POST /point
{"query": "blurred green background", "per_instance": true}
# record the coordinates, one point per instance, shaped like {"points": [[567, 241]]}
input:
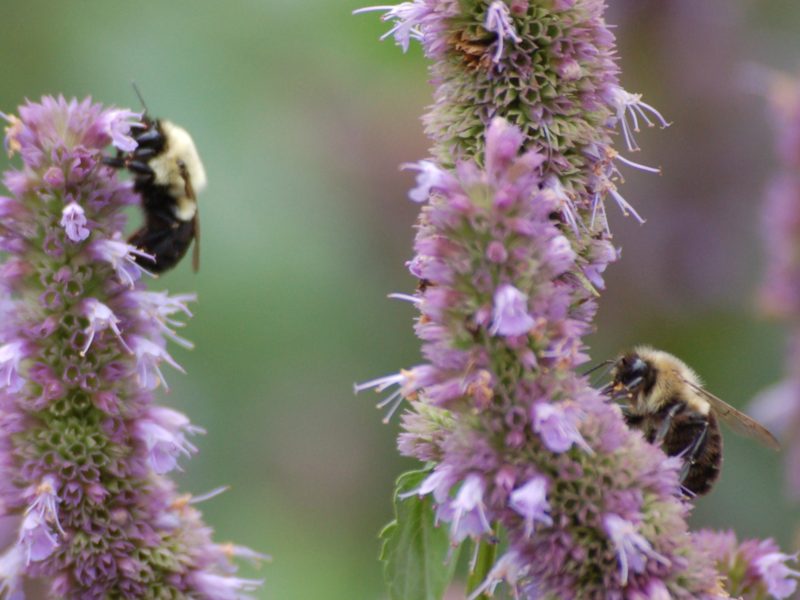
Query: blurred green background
{"points": [[302, 117]]}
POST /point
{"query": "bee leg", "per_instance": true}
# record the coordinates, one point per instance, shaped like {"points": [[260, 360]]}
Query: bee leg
{"points": [[150, 138], [144, 154], [139, 167], [115, 162], [666, 424], [690, 454]]}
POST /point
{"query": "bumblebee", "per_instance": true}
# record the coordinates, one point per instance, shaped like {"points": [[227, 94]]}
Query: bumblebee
{"points": [[168, 175], [665, 399]]}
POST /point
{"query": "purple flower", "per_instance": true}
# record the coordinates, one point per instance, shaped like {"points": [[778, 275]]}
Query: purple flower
{"points": [[530, 501], [656, 590], [12, 563], [100, 318], [117, 125], [629, 108], [163, 434], [231, 551], [780, 579], [407, 382], [429, 177], [509, 568], [632, 549], [120, 255], [46, 502], [438, 483], [212, 586], [409, 17], [158, 308], [37, 538], [73, 220], [557, 424], [754, 568], [11, 355], [498, 20], [510, 313], [466, 513], [148, 356]]}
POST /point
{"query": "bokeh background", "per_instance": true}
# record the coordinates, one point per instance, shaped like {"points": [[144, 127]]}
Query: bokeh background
{"points": [[302, 117]]}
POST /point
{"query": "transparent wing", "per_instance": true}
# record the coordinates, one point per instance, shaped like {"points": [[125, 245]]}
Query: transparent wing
{"points": [[737, 420]]}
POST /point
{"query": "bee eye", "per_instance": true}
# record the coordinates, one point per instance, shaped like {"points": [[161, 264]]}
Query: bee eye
{"points": [[635, 371]]}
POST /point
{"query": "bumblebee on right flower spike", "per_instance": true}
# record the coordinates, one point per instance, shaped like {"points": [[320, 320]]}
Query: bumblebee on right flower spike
{"points": [[667, 402]]}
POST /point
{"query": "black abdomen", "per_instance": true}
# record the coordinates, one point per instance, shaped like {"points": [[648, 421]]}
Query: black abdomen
{"points": [[164, 237], [692, 436]]}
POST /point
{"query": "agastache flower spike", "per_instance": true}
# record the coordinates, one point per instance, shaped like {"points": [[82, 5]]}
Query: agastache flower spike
{"points": [[511, 244], [499, 409], [83, 448]]}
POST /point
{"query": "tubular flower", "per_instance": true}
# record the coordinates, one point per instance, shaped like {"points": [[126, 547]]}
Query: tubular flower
{"points": [[511, 245], [82, 446]]}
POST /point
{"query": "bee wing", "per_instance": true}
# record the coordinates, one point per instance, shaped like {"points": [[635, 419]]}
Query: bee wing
{"points": [[737, 420]]}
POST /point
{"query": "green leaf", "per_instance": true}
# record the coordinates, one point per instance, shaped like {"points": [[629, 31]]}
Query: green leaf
{"points": [[417, 557]]}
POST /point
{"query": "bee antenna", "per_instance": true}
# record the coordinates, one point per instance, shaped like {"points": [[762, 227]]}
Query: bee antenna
{"points": [[141, 99], [597, 366]]}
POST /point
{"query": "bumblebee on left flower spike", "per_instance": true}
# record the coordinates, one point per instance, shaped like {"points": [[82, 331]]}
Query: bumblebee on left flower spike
{"points": [[168, 175]]}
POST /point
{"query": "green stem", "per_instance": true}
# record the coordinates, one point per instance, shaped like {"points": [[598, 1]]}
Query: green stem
{"points": [[487, 552]]}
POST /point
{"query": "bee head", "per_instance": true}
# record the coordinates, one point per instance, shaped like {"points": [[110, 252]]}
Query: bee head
{"points": [[630, 374]]}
